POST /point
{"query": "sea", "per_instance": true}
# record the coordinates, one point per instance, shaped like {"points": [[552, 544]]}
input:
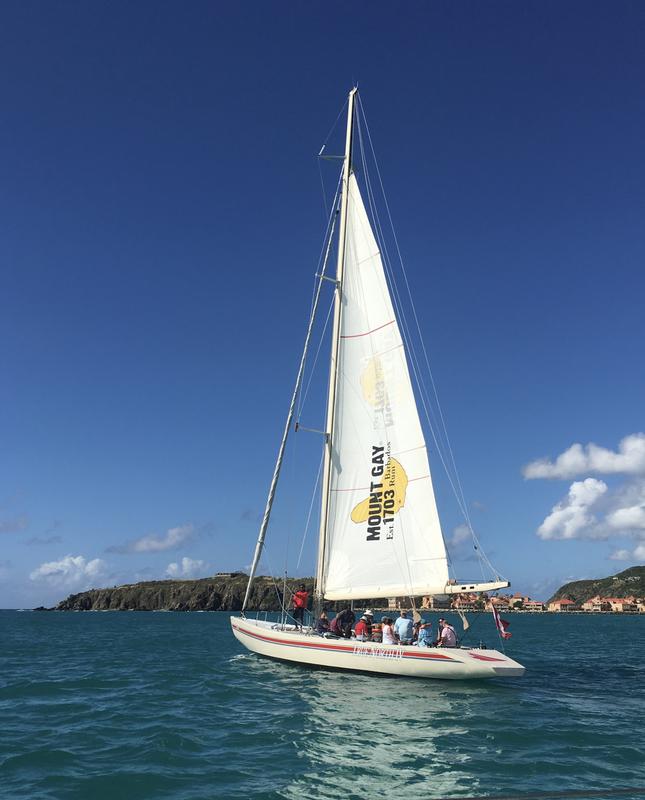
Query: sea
{"points": [[168, 705]]}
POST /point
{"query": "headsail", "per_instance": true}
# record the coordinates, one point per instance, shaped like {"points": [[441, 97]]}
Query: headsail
{"points": [[383, 533]]}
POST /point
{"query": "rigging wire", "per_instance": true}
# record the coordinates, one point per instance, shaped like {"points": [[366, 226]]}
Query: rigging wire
{"points": [[313, 366], [322, 259], [322, 187], [311, 505], [443, 429], [456, 484], [405, 331], [333, 127]]}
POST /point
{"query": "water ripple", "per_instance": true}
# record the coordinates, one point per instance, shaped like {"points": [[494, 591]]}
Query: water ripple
{"points": [[168, 706]]}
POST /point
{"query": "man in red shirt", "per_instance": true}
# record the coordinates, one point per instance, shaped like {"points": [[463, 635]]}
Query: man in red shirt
{"points": [[361, 630], [300, 600]]}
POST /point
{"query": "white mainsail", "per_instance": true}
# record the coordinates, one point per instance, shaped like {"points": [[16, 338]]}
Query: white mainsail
{"points": [[383, 535]]}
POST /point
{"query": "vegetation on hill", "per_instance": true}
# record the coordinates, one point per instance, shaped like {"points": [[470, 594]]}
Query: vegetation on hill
{"points": [[222, 592], [630, 582]]}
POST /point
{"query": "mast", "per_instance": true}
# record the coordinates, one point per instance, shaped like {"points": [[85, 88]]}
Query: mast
{"points": [[335, 342]]}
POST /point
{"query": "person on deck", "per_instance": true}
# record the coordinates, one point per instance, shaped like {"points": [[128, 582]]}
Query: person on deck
{"points": [[447, 636], [342, 623], [425, 634], [300, 601], [362, 630], [322, 626], [388, 631], [440, 625], [403, 628]]}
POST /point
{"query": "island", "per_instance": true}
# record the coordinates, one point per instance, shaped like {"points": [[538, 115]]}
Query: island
{"points": [[224, 591]]}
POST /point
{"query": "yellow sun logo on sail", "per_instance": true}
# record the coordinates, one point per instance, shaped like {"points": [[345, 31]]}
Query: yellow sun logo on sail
{"points": [[375, 392], [372, 382], [387, 495]]}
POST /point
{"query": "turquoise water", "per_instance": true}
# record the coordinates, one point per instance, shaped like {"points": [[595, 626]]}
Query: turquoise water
{"points": [[152, 705]]}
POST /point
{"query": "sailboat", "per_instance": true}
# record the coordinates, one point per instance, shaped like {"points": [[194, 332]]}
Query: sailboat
{"points": [[380, 534]]}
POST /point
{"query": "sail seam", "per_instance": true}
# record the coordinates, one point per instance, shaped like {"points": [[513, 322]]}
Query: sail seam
{"points": [[410, 450], [367, 333], [367, 488], [360, 261]]}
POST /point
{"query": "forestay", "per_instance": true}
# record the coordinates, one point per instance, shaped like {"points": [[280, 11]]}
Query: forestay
{"points": [[383, 532]]}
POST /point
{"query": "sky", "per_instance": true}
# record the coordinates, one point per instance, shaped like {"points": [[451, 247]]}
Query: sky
{"points": [[161, 218]]}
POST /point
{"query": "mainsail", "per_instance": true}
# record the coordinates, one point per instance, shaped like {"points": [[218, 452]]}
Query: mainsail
{"points": [[383, 536]]}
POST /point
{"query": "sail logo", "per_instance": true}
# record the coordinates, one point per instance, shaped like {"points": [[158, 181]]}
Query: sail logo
{"points": [[388, 486], [375, 392]]}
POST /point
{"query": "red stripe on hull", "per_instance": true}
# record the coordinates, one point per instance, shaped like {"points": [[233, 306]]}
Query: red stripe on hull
{"points": [[484, 658], [340, 648]]}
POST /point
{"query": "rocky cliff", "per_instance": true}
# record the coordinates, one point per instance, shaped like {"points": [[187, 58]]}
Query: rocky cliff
{"points": [[629, 583]]}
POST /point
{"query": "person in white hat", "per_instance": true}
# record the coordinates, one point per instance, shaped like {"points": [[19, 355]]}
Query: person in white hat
{"points": [[363, 629]]}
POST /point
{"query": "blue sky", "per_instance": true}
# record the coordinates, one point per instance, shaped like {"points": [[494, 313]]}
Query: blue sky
{"points": [[161, 216]]}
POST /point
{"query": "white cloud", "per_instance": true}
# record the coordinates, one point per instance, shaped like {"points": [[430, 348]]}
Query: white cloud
{"points": [[620, 555], [460, 535], [172, 539], [571, 517], [591, 510], [70, 571], [578, 459], [188, 568], [639, 552], [627, 519]]}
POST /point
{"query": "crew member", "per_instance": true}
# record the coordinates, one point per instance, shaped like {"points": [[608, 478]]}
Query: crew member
{"points": [[300, 600], [447, 636]]}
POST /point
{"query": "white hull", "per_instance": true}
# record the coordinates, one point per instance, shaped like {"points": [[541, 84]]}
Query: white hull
{"points": [[274, 641]]}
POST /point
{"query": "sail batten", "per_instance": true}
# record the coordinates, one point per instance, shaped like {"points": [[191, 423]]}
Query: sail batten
{"points": [[383, 532]]}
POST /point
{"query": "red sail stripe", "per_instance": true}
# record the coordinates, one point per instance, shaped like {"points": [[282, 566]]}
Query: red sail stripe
{"points": [[367, 333]]}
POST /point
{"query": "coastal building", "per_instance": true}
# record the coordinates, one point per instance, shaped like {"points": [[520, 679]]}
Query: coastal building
{"points": [[616, 605], [467, 602], [501, 603], [435, 603], [622, 605], [533, 605], [596, 604], [562, 605]]}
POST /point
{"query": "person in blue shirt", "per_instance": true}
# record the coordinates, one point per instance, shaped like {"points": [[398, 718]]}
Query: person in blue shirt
{"points": [[403, 628], [425, 634]]}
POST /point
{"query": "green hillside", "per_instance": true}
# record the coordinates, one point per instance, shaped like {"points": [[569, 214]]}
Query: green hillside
{"points": [[222, 592], [627, 583]]}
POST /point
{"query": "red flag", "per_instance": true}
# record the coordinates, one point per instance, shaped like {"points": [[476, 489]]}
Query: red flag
{"points": [[501, 624]]}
